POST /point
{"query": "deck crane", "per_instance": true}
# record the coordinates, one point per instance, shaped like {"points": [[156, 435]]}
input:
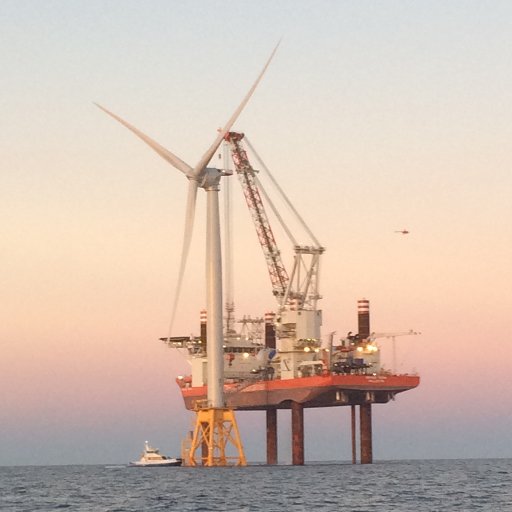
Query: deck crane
{"points": [[277, 272], [392, 336], [298, 321]]}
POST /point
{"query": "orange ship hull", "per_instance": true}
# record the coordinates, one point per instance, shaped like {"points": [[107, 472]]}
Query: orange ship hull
{"points": [[331, 390]]}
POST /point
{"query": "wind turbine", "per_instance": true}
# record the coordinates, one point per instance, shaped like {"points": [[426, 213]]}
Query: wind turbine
{"points": [[207, 178]]}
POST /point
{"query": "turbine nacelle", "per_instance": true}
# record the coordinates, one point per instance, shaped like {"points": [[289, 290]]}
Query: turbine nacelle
{"points": [[209, 179]]}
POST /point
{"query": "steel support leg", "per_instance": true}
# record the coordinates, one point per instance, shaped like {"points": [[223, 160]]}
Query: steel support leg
{"points": [[271, 436], [297, 434], [365, 425]]}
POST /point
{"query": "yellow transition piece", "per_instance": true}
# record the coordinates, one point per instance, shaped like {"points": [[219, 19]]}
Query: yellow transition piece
{"points": [[215, 434]]}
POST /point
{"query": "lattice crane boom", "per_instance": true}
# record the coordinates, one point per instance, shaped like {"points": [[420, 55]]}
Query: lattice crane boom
{"points": [[246, 174]]}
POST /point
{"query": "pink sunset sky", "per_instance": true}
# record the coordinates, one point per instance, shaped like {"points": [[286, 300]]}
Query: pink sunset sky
{"points": [[374, 117]]}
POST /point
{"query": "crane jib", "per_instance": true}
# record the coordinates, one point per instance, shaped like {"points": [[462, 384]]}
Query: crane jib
{"points": [[276, 269]]}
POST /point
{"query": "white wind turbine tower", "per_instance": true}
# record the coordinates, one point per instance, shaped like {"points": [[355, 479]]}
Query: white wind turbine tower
{"points": [[215, 425]]}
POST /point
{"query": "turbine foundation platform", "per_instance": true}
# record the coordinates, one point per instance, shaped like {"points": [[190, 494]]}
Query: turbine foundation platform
{"points": [[216, 435]]}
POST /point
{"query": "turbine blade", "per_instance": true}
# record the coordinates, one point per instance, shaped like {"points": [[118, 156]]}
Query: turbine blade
{"points": [[164, 153], [213, 148], [187, 237]]}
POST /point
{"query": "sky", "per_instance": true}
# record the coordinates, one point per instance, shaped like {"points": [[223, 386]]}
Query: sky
{"points": [[373, 116]]}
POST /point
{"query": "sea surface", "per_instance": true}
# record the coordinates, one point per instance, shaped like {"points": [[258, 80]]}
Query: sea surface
{"points": [[428, 485]]}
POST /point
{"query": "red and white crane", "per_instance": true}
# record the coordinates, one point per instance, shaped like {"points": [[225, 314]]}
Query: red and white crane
{"points": [[300, 287], [276, 269], [298, 321]]}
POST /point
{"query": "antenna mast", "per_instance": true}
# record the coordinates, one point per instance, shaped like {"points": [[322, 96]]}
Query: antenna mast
{"points": [[229, 303]]}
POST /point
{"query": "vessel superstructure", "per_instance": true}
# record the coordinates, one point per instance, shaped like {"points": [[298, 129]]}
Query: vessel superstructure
{"points": [[258, 376]]}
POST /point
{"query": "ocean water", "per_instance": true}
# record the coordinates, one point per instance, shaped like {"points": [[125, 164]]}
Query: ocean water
{"points": [[431, 485]]}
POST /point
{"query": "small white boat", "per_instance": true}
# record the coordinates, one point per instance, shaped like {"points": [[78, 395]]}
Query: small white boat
{"points": [[152, 458]]}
